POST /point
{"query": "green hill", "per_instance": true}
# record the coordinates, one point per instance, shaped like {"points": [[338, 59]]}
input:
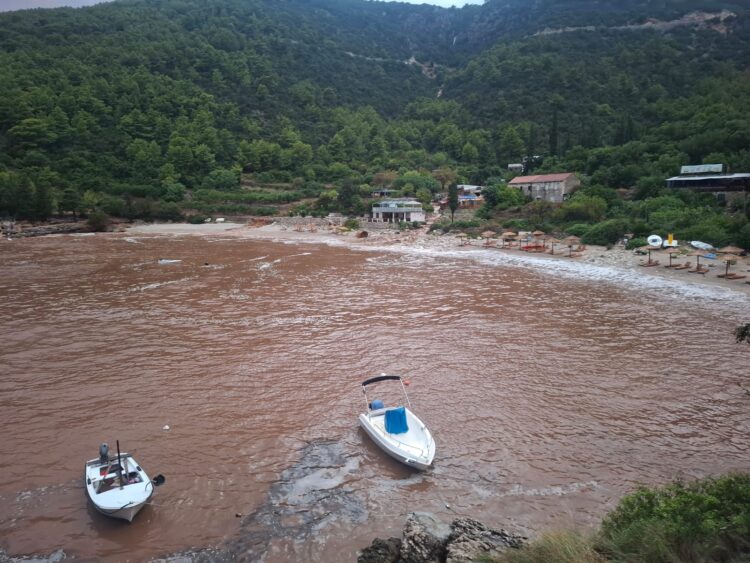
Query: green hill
{"points": [[135, 106]]}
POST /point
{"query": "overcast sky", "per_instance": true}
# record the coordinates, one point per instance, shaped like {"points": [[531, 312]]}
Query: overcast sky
{"points": [[443, 3], [7, 5]]}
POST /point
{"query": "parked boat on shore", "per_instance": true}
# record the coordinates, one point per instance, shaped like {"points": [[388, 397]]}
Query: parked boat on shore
{"points": [[397, 431]]}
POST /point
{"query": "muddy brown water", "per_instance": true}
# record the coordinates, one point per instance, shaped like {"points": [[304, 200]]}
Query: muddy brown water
{"points": [[551, 390]]}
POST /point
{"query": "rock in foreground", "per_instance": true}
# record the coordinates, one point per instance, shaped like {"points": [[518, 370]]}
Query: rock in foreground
{"points": [[426, 539]]}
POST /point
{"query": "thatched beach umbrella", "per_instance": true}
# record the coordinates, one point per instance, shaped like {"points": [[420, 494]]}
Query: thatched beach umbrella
{"points": [[508, 236], [552, 242], [730, 250], [488, 234], [729, 258], [672, 251], [537, 234], [570, 242], [649, 248], [697, 254]]}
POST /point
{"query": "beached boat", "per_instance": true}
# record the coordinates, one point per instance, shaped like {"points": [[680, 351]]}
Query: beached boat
{"points": [[397, 430], [116, 485]]}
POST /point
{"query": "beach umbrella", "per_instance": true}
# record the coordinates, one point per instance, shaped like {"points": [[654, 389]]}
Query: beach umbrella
{"points": [[538, 234], [571, 241], [508, 236], [487, 235], [697, 253], [552, 242], [649, 248], [672, 252], [730, 250], [728, 258]]}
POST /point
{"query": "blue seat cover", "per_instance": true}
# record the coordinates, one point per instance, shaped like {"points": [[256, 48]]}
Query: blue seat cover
{"points": [[395, 421]]}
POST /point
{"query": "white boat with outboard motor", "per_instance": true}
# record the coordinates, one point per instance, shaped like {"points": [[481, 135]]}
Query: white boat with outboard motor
{"points": [[397, 430], [117, 486]]}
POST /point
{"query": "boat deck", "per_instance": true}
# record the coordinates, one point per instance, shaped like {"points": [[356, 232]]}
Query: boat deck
{"points": [[411, 441]]}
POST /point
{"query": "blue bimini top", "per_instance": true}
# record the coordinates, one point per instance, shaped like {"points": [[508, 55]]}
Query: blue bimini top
{"points": [[395, 421]]}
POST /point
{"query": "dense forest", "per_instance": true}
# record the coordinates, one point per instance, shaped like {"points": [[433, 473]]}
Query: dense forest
{"points": [[183, 108]]}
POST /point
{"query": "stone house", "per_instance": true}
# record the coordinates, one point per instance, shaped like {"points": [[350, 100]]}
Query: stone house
{"points": [[547, 187]]}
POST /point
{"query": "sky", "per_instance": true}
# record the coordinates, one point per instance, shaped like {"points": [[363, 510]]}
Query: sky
{"points": [[443, 3], [8, 5]]}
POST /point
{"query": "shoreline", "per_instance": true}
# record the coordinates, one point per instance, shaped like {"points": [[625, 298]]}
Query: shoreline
{"points": [[623, 263]]}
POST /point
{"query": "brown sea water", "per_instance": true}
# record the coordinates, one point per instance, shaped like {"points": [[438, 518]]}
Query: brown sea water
{"points": [[551, 389]]}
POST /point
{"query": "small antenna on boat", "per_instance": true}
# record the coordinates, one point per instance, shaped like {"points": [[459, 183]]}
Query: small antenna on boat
{"points": [[119, 464]]}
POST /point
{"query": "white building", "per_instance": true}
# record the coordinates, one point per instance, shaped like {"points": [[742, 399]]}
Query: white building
{"points": [[396, 210]]}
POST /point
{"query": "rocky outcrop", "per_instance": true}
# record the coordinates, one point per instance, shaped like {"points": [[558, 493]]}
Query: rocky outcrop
{"points": [[469, 538], [426, 539], [381, 551]]}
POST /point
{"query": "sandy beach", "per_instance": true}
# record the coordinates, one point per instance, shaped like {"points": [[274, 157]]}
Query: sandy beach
{"points": [[616, 259]]}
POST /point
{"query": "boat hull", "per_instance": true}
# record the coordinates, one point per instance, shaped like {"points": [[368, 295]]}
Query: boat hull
{"points": [[127, 513], [389, 444]]}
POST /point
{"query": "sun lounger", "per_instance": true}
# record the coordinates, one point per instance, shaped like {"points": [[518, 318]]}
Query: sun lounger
{"points": [[649, 264], [735, 277], [683, 267], [699, 271]]}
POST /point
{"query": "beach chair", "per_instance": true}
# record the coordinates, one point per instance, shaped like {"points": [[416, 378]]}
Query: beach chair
{"points": [[736, 277], [682, 267]]}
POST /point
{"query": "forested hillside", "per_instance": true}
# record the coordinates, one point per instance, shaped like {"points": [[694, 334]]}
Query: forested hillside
{"points": [[146, 108]]}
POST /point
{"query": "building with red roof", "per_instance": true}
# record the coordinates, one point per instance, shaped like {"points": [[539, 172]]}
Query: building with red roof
{"points": [[547, 187]]}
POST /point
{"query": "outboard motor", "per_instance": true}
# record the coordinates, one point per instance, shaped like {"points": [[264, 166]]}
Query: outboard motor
{"points": [[376, 404], [104, 453]]}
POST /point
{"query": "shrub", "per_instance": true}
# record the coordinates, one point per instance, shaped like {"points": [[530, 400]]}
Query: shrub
{"points": [[605, 232], [578, 230], [197, 219], [466, 224], [97, 221], [710, 230], [742, 238], [351, 224], [518, 224], [266, 211], [112, 205], [221, 179], [636, 243], [167, 211], [583, 208], [707, 520], [274, 176]]}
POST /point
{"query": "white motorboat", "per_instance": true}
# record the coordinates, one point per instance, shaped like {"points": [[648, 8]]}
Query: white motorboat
{"points": [[116, 485], [397, 430]]}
